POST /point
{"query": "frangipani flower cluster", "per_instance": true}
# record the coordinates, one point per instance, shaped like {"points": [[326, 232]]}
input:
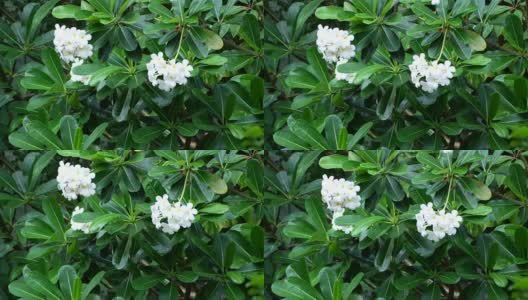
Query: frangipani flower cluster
{"points": [[176, 215], [167, 74], [335, 46], [435, 225], [84, 227], [339, 194], [75, 181], [430, 75], [72, 43], [73, 46]]}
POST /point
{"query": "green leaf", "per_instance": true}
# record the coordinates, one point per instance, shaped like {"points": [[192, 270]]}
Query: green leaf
{"points": [[126, 38], [365, 223], [156, 7], [481, 210], [390, 39], [328, 12], [250, 31], [54, 215], [215, 183], [68, 12], [40, 164], [384, 255], [334, 161], [299, 228], [37, 80], [289, 140], [513, 32], [68, 130], [315, 211], [307, 133], [214, 208], [428, 160], [24, 141], [147, 134], [306, 12], [223, 102], [51, 59], [23, 290], [87, 289], [41, 14], [333, 126], [410, 281], [295, 288], [476, 42], [37, 229], [409, 134], [96, 133], [42, 285], [146, 282], [306, 161], [327, 281], [67, 277], [360, 133], [214, 60], [40, 132], [255, 176], [479, 189], [7, 181], [318, 65], [516, 181]]}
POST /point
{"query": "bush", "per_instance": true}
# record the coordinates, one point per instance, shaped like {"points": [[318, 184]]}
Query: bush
{"points": [[483, 106], [383, 256], [112, 249], [107, 100]]}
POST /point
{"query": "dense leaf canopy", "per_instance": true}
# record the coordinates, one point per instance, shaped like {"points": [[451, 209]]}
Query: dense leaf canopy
{"points": [[123, 254], [384, 256], [484, 107], [219, 108]]}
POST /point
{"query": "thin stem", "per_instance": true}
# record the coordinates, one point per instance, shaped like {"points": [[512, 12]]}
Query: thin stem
{"points": [[180, 43], [443, 45], [448, 192], [184, 185]]}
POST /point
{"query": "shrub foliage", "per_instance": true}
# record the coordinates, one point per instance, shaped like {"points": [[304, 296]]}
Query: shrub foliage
{"points": [[124, 256], [384, 256], [219, 108], [484, 105]]}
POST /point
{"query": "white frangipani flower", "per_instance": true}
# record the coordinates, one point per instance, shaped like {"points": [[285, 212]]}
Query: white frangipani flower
{"points": [[348, 77], [339, 194], [80, 78], [84, 227], [335, 44], [435, 225], [167, 74], [176, 215], [72, 43], [430, 75], [435, 2], [75, 181]]}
